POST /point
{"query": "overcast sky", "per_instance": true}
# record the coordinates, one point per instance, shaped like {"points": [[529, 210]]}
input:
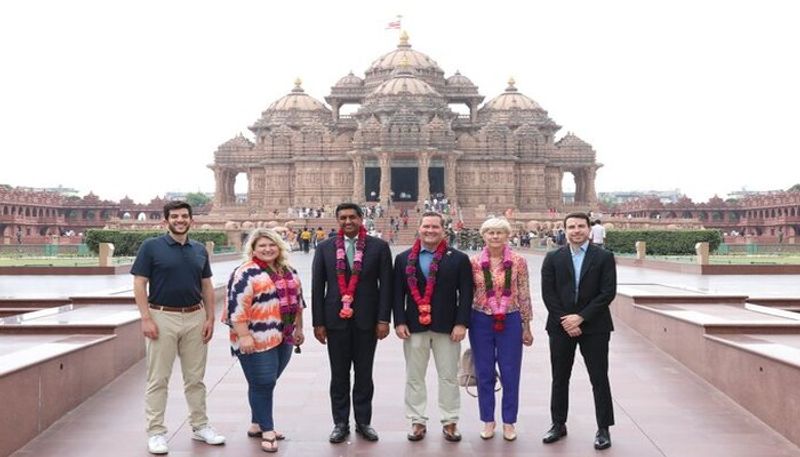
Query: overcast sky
{"points": [[134, 97]]}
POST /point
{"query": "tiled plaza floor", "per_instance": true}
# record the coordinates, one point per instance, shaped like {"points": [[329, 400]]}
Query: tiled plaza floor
{"points": [[662, 409]]}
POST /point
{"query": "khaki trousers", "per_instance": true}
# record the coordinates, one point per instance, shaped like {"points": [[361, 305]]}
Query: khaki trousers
{"points": [[417, 350], [179, 334]]}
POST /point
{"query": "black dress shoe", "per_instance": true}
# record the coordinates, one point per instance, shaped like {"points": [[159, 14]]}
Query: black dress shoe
{"points": [[339, 433], [367, 432], [602, 440], [556, 432]]}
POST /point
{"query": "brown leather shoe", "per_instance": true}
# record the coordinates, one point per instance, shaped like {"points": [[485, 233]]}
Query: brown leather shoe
{"points": [[417, 432], [451, 433]]}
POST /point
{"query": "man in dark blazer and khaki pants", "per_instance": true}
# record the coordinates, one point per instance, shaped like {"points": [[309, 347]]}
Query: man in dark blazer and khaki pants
{"points": [[450, 306], [579, 281], [352, 341]]}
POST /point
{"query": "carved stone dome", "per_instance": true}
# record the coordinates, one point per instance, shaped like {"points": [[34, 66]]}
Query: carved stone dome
{"points": [[416, 60], [511, 99], [459, 80], [297, 99], [350, 80]]}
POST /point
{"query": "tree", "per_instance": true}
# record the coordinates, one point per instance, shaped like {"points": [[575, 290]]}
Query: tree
{"points": [[197, 199], [795, 188]]}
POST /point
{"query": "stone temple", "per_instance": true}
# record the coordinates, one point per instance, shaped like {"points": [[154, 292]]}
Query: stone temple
{"points": [[403, 141]]}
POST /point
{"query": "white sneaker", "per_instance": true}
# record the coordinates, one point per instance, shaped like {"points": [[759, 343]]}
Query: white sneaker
{"points": [[157, 444], [208, 434]]}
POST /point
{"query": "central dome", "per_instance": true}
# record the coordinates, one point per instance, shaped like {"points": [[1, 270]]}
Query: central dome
{"points": [[415, 59]]}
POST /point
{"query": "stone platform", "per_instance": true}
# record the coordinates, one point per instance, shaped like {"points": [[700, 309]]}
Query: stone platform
{"points": [[662, 407]]}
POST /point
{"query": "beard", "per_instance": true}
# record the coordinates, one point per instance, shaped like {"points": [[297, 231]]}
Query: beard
{"points": [[176, 231]]}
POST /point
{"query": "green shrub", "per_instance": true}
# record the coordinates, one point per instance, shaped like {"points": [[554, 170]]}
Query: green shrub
{"points": [[127, 242], [662, 242]]}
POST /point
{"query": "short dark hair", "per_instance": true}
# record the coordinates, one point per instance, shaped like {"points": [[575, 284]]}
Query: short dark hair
{"points": [[176, 204], [352, 206], [431, 214], [597, 221], [578, 215]]}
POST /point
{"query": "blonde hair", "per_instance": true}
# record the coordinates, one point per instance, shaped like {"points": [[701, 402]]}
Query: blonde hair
{"points": [[495, 223], [249, 246]]}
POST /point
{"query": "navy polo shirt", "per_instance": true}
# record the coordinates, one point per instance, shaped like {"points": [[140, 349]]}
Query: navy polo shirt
{"points": [[174, 270]]}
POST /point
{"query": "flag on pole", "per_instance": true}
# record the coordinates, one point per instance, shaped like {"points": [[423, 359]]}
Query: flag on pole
{"points": [[395, 24]]}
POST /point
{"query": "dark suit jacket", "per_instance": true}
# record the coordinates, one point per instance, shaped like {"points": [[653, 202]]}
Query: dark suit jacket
{"points": [[373, 300], [596, 289], [452, 297]]}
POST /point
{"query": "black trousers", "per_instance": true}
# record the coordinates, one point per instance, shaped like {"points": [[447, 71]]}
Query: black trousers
{"points": [[351, 347], [594, 349]]}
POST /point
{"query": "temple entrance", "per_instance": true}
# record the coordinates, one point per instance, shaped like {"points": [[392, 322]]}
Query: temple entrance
{"points": [[405, 182], [436, 180], [372, 183]]}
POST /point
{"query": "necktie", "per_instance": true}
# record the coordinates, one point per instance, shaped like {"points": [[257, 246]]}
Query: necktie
{"points": [[351, 252]]}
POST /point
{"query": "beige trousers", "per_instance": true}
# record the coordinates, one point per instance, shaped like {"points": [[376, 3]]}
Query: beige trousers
{"points": [[179, 334], [417, 350]]}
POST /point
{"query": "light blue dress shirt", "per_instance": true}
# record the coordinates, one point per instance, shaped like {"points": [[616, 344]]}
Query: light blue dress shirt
{"points": [[577, 263], [425, 260]]}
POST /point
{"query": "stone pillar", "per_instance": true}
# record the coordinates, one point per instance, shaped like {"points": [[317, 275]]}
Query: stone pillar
{"points": [[235, 239], [702, 253], [230, 182], [473, 114], [385, 161], [579, 188], [219, 187], [589, 177], [210, 248], [424, 185], [335, 111], [450, 179], [358, 179], [106, 253], [641, 250]]}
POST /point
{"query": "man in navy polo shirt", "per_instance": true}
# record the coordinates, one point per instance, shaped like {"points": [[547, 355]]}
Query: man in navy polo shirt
{"points": [[177, 319]]}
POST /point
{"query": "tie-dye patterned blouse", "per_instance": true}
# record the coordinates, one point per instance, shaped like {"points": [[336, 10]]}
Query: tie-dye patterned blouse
{"points": [[520, 290], [252, 298]]}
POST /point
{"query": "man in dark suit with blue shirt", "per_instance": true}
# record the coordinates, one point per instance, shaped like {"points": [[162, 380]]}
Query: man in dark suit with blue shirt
{"points": [[351, 322], [433, 290], [579, 281]]}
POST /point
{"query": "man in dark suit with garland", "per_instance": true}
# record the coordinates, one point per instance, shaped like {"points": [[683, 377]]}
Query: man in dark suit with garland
{"points": [[351, 295], [433, 290]]}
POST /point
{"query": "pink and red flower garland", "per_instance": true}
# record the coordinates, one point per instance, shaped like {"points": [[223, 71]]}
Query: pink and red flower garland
{"points": [[423, 302], [288, 296], [348, 289], [498, 307]]}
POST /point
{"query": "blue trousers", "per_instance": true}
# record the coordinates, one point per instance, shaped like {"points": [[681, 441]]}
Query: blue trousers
{"points": [[500, 349], [262, 370]]}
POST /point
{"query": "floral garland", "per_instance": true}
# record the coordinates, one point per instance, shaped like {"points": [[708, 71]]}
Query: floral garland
{"points": [[348, 289], [498, 307], [423, 302], [288, 296]]}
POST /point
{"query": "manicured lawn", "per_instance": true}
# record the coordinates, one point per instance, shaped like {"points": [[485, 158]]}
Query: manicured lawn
{"points": [[56, 261]]}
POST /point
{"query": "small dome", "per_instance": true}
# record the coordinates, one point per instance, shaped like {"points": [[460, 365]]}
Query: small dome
{"points": [[297, 99], [415, 59], [350, 80], [571, 141], [511, 99], [404, 84], [459, 80], [237, 143]]}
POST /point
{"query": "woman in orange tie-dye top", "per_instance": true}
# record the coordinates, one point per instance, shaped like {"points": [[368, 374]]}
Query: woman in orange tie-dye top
{"points": [[264, 310]]}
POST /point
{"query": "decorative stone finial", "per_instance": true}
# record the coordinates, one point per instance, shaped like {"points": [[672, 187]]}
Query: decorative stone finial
{"points": [[404, 39], [297, 85], [511, 83]]}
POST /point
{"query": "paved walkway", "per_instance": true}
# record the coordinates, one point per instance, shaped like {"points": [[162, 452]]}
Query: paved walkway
{"points": [[662, 409]]}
